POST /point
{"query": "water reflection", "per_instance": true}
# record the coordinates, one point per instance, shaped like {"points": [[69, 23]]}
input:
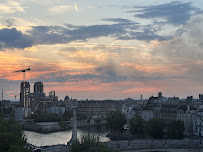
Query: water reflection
{"points": [[40, 139]]}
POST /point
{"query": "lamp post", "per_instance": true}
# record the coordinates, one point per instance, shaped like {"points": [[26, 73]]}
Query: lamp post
{"points": [[165, 135], [2, 98], [200, 130]]}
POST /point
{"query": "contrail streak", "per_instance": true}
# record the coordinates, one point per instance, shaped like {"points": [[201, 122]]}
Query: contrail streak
{"points": [[76, 8]]}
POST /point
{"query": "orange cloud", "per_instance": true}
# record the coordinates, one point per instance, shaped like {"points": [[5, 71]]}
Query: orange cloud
{"points": [[172, 68], [40, 63], [9, 92], [12, 61], [88, 55]]}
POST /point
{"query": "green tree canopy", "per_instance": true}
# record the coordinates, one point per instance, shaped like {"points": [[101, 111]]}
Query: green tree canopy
{"points": [[155, 128], [14, 127], [175, 129], [17, 148], [68, 114], [137, 125], [11, 136], [115, 120], [3, 125], [89, 143], [81, 116], [7, 140], [45, 117]]}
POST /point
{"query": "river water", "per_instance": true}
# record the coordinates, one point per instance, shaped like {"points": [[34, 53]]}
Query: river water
{"points": [[62, 137]]}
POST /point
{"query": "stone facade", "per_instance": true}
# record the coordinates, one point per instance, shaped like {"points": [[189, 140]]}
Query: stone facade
{"points": [[22, 112], [97, 108]]}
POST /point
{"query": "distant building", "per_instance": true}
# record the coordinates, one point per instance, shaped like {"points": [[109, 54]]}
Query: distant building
{"points": [[97, 108], [152, 100], [9, 106], [38, 88], [159, 95], [44, 105], [21, 112], [37, 95], [57, 110], [147, 114], [25, 94], [52, 96], [201, 97], [127, 110], [173, 99], [189, 98], [159, 99], [141, 102], [35, 99], [66, 99], [198, 123], [186, 114], [169, 112]]}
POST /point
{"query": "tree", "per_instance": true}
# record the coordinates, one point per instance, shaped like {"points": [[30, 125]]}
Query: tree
{"points": [[155, 128], [76, 146], [175, 129], [3, 125], [81, 116], [11, 136], [115, 120], [64, 124], [14, 127], [137, 125], [89, 143], [7, 140], [17, 148], [68, 114], [46, 117]]}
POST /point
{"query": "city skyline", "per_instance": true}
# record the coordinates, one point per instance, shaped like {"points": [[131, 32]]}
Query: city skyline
{"points": [[32, 88], [103, 50]]}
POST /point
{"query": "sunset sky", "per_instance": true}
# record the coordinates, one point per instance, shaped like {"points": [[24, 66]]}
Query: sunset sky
{"points": [[99, 49]]}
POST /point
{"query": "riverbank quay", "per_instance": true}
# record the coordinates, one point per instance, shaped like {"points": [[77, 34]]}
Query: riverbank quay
{"points": [[55, 148], [156, 145], [164, 150], [141, 146], [46, 127]]}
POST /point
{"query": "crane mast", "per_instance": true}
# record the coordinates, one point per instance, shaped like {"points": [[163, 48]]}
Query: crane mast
{"points": [[25, 100]]}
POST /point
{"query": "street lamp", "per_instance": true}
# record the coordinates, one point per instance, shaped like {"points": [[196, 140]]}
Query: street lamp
{"points": [[2, 98], [165, 135], [200, 130], [165, 140]]}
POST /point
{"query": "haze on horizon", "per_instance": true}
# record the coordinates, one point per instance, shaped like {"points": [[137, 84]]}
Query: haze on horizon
{"points": [[103, 49]]}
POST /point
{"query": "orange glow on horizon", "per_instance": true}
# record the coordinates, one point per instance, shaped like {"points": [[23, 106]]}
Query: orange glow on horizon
{"points": [[91, 87]]}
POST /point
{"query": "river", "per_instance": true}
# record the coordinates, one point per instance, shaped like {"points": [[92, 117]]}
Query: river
{"points": [[62, 137]]}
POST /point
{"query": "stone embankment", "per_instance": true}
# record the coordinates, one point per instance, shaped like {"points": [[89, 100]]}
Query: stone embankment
{"points": [[46, 127], [142, 146], [156, 145], [55, 148]]}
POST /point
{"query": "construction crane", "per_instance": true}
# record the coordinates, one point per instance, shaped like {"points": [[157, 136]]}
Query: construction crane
{"points": [[25, 100], [23, 71]]}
